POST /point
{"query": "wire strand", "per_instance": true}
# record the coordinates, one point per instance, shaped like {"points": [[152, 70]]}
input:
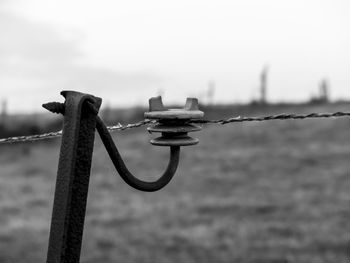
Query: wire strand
{"points": [[120, 127], [50, 135], [282, 116]]}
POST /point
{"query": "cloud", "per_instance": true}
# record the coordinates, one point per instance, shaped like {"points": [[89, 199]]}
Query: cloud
{"points": [[37, 61]]}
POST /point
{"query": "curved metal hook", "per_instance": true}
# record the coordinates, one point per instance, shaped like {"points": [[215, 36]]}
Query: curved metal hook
{"points": [[123, 171]]}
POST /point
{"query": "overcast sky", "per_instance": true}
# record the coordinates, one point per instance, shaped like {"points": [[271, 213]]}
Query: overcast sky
{"points": [[127, 51]]}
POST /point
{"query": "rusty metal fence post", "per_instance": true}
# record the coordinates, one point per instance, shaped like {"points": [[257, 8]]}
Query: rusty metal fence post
{"points": [[80, 122], [80, 111]]}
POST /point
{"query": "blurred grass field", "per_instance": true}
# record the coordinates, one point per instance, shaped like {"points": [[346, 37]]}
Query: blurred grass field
{"points": [[276, 191]]}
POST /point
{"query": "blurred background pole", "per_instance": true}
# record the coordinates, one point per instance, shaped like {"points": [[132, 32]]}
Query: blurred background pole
{"points": [[263, 85]]}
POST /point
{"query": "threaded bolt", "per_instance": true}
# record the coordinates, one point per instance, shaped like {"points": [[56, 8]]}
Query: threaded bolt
{"points": [[55, 107]]}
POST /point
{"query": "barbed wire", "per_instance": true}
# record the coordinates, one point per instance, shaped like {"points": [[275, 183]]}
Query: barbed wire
{"points": [[50, 135], [120, 127], [282, 116]]}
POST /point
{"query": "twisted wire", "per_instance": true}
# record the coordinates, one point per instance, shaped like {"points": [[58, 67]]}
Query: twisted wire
{"points": [[284, 116], [50, 135]]}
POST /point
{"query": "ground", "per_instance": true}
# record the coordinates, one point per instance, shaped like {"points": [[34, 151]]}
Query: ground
{"points": [[276, 191]]}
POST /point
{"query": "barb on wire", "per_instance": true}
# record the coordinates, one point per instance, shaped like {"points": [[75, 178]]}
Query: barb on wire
{"points": [[121, 127], [37, 137]]}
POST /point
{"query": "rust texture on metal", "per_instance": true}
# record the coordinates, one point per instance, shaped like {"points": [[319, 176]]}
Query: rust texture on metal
{"points": [[73, 175], [174, 124]]}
